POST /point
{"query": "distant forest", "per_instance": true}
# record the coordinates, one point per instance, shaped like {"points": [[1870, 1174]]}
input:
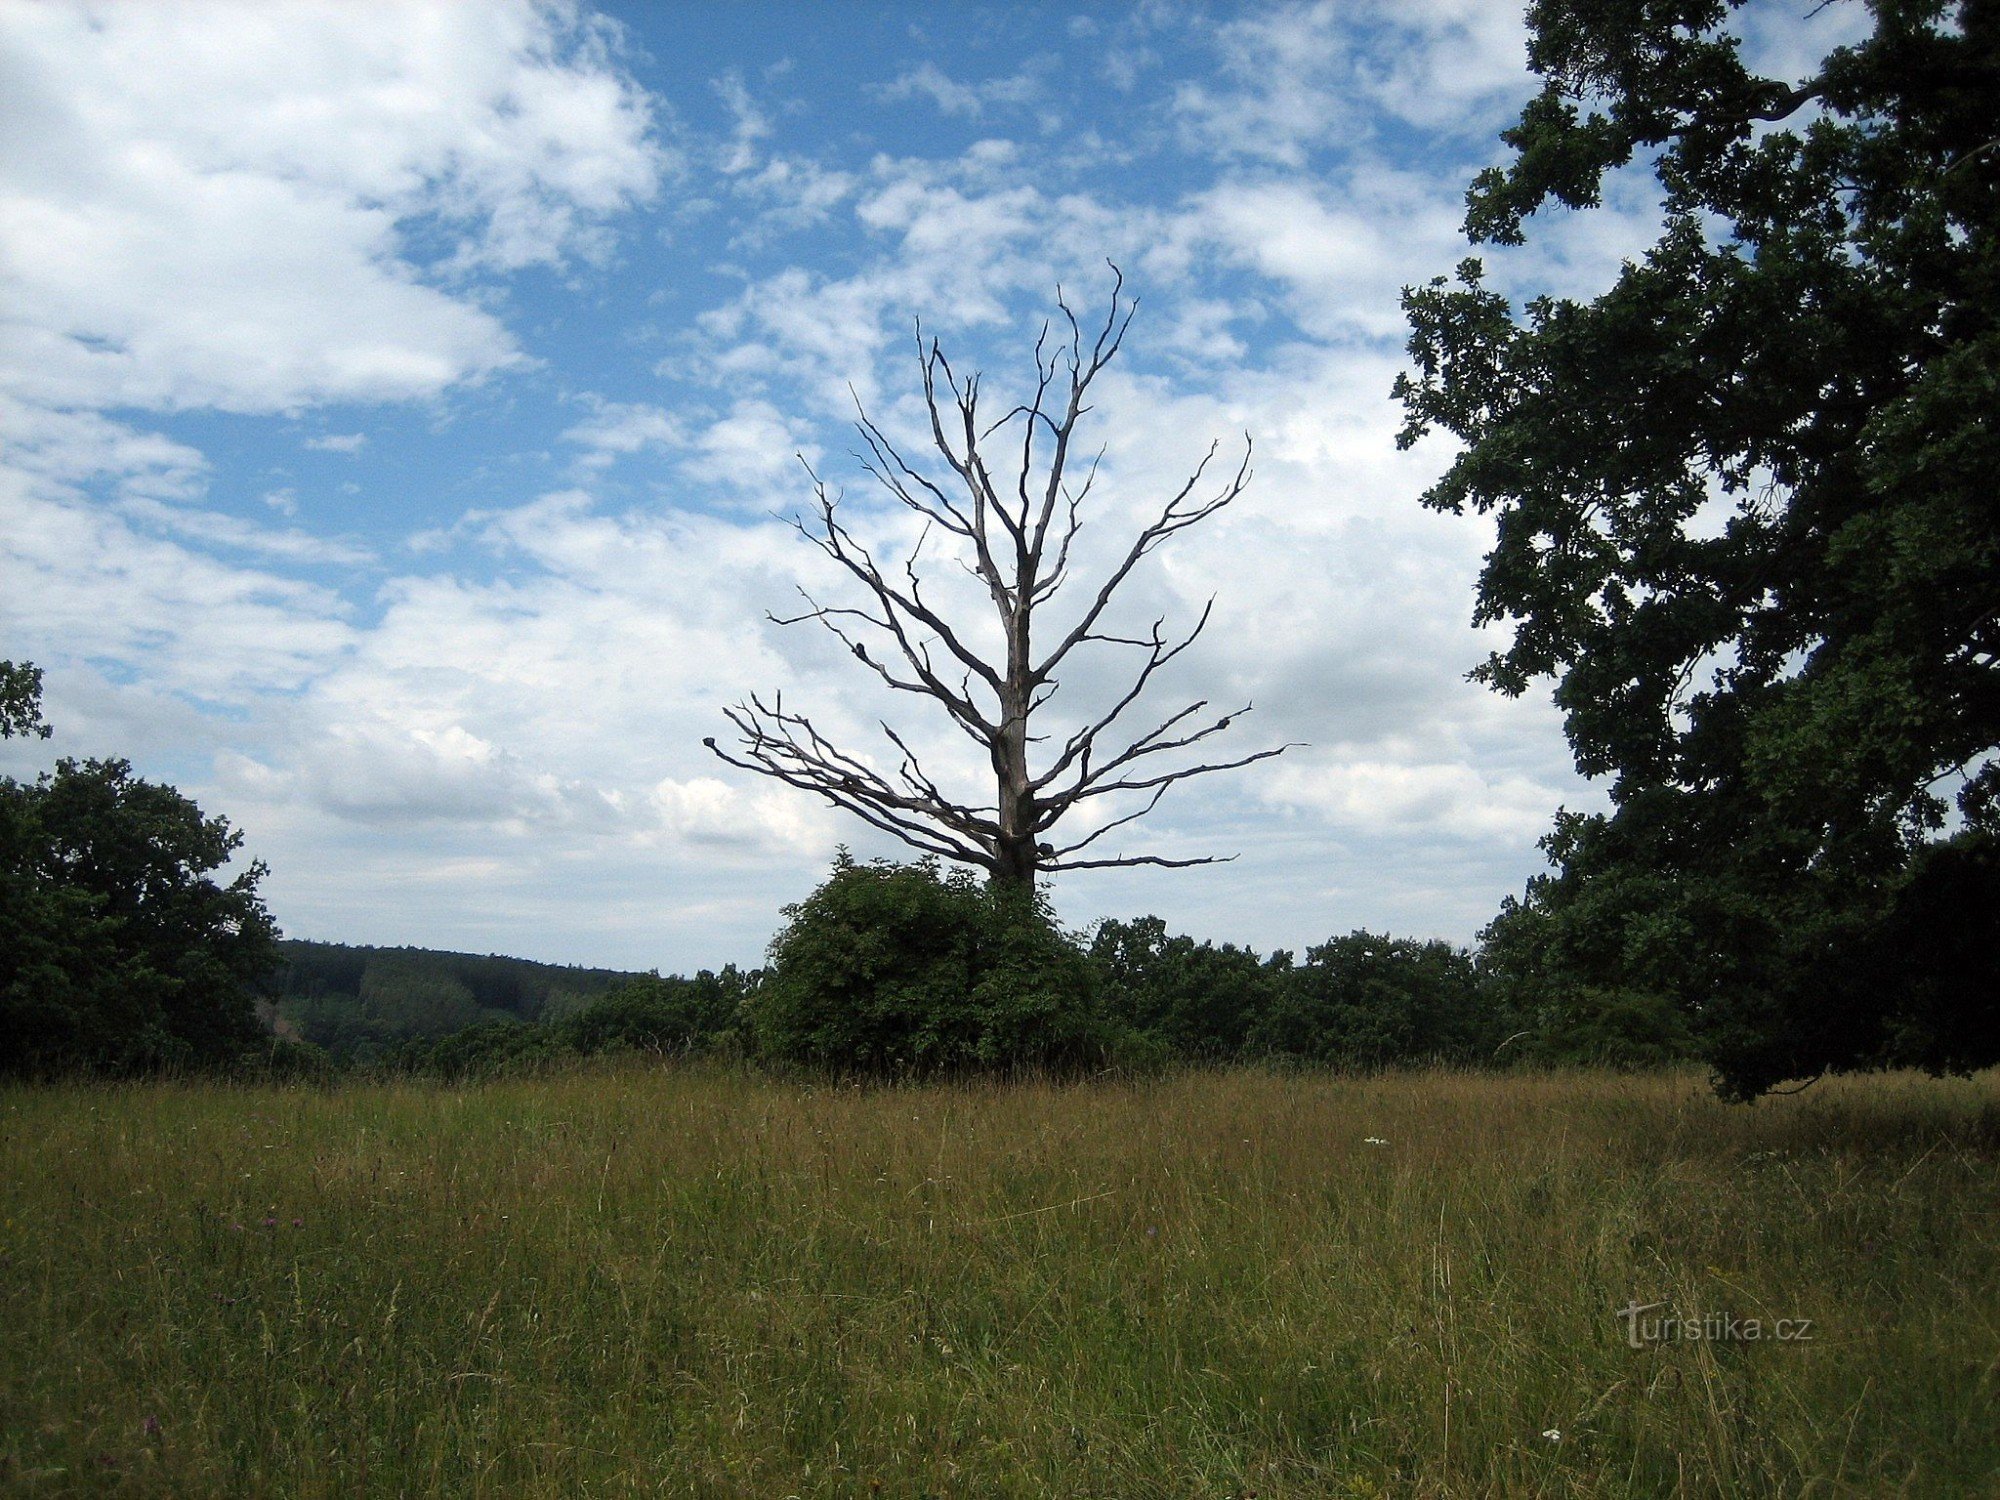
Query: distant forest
{"points": [[360, 1003]]}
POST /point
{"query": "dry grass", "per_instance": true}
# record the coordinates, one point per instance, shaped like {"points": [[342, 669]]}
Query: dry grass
{"points": [[686, 1282]]}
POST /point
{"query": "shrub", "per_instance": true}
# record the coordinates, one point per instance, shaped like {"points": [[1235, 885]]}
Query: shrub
{"points": [[900, 970], [1372, 1000], [1191, 1000], [482, 1050], [651, 1014]]}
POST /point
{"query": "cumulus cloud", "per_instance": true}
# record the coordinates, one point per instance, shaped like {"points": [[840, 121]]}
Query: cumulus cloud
{"points": [[1296, 78], [615, 429], [105, 590], [187, 224]]}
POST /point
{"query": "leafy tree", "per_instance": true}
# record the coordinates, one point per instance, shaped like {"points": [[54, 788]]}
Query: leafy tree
{"points": [[1574, 982], [1195, 999], [118, 949], [481, 1050], [652, 1014], [900, 970], [1744, 513], [21, 700], [1372, 1000], [415, 999]]}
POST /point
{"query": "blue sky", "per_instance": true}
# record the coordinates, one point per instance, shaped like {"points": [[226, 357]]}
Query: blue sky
{"points": [[399, 403]]}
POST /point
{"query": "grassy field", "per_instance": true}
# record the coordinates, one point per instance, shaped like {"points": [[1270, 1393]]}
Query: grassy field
{"points": [[698, 1283]]}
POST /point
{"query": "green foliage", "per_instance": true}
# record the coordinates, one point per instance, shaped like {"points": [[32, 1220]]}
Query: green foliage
{"points": [[21, 700], [1368, 1000], [1744, 514], [1194, 1000], [487, 1049], [901, 970], [673, 1015], [119, 949], [1533, 975], [410, 1002], [362, 1004]]}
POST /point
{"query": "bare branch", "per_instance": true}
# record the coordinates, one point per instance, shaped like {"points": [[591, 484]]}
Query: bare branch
{"points": [[1127, 860], [789, 748], [1084, 740], [1172, 519], [1019, 527]]}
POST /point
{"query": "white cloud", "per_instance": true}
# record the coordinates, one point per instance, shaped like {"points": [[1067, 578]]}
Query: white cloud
{"points": [[1415, 797], [106, 591], [58, 450], [755, 447], [751, 124], [217, 529], [614, 429], [1342, 254], [352, 442], [1298, 77], [193, 222], [966, 100]]}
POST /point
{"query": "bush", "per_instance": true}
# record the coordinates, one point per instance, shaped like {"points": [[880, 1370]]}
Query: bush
{"points": [[1186, 999], [652, 1014], [480, 1051], [283, 1059], [900, 970], [1371, 1000]]}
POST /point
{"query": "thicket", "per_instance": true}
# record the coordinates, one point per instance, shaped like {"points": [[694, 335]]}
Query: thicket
{"points": [[909, 971]]}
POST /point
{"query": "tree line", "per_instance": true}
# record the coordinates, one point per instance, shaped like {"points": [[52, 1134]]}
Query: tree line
{"points": [[900, 971]]}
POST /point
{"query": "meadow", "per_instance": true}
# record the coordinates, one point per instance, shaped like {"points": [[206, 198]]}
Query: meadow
{"points": [[630, 1278]]}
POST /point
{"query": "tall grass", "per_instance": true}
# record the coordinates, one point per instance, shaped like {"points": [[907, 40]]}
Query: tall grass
{"points": [[692, 1282]]}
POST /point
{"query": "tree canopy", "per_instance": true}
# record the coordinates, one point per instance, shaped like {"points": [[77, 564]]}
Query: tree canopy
{"points": [[1746, 519], [21, 700], [119, 949]]}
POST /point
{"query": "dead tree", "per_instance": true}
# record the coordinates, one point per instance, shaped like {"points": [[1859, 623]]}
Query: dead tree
{"points": [[1017, 519]]}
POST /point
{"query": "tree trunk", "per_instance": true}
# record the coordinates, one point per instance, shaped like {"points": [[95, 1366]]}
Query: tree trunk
{"points": [[1014, 849]]}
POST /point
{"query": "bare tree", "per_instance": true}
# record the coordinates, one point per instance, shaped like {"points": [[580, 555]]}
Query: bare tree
{"points": [[1018, 530]]}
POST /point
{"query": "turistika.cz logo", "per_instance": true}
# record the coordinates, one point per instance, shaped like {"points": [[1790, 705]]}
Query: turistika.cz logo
{"points": [[1714, 1328]]}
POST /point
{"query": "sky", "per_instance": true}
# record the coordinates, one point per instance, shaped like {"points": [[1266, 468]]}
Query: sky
{"points": [[402, 406]]}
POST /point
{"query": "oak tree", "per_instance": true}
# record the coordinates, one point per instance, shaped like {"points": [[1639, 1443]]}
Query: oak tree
{"points": [[1746, 519]]}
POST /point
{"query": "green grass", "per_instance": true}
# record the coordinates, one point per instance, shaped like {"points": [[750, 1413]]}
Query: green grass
{"points": [[622, 1279]]}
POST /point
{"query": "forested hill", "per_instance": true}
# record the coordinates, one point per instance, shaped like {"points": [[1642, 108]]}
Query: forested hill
{"points": [[355, 1000]]}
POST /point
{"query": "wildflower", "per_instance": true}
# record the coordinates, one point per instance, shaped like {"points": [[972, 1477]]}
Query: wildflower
{"points": [[1553, 1434], [152, 1426], [298, 1223], [270, 1221]]}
